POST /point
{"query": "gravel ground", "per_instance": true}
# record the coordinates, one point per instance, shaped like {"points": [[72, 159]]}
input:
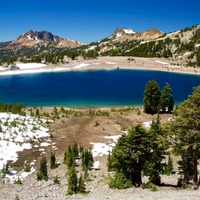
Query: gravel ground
{"points": [[83, 126], [97, 188]]}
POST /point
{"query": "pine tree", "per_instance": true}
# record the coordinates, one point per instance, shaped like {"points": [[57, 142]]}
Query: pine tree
{"points": [[185, 128], [69, 158], [185, 168], [42, 173], [109, 163], [120, 181], [72, 180], [75, 150], [53, 164], [164, 97], [171, 104], [129, 154], [87, 159], [154, 165], [169, 166], [151, 97], [81, 185]]}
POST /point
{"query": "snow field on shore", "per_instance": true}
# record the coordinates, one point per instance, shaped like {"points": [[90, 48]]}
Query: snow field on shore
{"points": [[18, 133]]}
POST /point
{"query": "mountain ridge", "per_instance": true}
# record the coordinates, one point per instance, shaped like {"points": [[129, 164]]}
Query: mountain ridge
{"points": [[34, 38], [181, 47]]}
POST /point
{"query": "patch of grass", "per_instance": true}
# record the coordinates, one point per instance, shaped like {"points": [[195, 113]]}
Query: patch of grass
{"points": [[150, 186], [18, 182], [56, 180], [96, 124], [27, 168]]}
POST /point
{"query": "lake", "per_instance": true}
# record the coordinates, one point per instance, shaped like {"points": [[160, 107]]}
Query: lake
{"points": [[95, 88]]}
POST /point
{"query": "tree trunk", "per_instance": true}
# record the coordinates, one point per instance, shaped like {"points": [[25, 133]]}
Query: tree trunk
{"points": [[136, 178], [195, 173], [198, 182]]}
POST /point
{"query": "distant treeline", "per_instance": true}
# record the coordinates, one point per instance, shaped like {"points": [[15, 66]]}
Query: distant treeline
{"points": [[15, 108]]}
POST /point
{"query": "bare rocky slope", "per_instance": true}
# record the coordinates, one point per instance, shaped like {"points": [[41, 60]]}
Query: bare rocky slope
{"points": [[80, 126]]}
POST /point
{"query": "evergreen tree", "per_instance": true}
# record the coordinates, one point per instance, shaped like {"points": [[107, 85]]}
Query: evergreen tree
{"points": [[120, 181], [81, 185], [109, 162], [151, 97], [69, 158], [185, 167], [171, 104], [169, 166], [154, 166], [53, 164], [42, 173], [164, 97], [185, 128], [72, 180], [87, 159], [129, 154], [75, 150]]}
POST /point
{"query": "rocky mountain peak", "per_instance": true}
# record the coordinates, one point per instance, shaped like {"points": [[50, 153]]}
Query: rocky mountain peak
{"points": [[154, 31], [39, 35], [36, 39], [123, 31]]}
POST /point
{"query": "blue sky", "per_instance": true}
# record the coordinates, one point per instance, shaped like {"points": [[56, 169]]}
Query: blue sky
{"points": [[90, 20]]}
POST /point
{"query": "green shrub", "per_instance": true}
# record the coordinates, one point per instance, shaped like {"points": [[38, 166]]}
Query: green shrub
{"points": [[56, 180], [18, 182], [5, 170], [27, 168], [149, 185], [119, 181], [96, 124]]}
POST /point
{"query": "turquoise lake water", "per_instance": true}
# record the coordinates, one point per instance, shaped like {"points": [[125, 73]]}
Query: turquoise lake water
{"points": [[91, 88]]}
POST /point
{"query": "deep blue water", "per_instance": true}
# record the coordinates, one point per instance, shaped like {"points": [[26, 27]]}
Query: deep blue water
{"points": [[91, 88]]}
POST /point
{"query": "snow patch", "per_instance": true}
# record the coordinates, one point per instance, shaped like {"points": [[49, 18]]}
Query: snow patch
{"points": [[129, 31], [114, 137], [14, 176], [30, 65], [29, 37], [19, 133], [110, 63], [161, 62], [81, 66], [96, 165], [118, 35], [100, 149]]}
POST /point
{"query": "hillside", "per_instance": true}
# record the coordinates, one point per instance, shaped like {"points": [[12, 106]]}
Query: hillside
{"points": [[98, 129], [181, 47], [35, 42]]}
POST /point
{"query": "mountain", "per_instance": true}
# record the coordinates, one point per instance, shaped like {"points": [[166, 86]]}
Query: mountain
{"points": [[122, 36], [127, 33], [34, 42], [181, 47], [34, 38]]}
